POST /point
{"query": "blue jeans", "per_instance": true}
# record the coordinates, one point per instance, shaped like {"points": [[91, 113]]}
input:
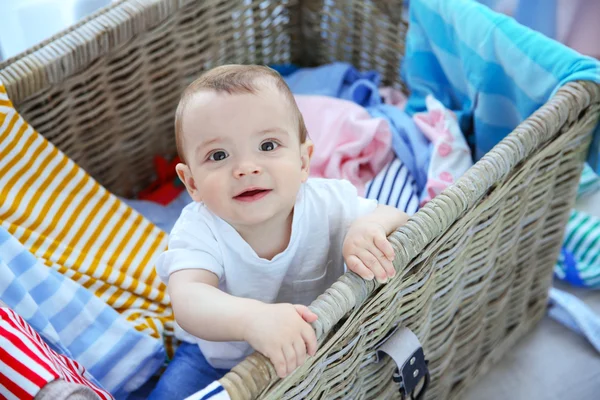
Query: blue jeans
{"points": [[186, 374]]}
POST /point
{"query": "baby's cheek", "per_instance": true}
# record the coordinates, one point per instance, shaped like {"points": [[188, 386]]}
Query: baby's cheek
{"points": [[288, 174], [213, 189]]}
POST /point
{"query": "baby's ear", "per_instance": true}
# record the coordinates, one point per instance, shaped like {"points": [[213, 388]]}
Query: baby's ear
{"points": [[185, 175], [306, 152]]}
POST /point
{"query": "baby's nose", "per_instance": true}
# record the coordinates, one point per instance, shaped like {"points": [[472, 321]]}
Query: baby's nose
{"points": [[247, 169]]}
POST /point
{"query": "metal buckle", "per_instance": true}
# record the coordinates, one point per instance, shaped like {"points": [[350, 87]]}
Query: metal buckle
{"points": [[412, 367]]}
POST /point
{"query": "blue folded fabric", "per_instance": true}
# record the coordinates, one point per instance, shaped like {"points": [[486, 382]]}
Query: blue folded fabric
{"points": [[339, 80], [163, 216], [409, 143], [285, 69], [485, 66], [343, 81]]}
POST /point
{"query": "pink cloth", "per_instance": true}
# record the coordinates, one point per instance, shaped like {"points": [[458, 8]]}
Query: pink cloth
{"points": [[349, 143], [451, 156]]}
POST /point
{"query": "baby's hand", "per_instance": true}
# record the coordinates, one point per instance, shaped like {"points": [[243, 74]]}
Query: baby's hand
{"points": [[282, 333], [367, 251]]}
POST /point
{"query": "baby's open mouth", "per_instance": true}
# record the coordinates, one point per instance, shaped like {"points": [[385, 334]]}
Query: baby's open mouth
{"points": [[252, 194]]}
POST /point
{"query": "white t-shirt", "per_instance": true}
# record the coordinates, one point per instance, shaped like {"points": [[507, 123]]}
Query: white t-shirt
{"points": [[311, 263]]}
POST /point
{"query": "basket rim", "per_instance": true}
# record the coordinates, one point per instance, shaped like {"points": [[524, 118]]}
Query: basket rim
{"points": [[58, 35], [72, 49]]}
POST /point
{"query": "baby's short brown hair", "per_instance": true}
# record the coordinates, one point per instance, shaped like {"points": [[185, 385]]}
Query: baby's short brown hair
{"points": [[234, 79]]}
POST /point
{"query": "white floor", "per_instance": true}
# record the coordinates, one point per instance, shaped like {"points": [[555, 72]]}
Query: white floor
{"points": [[552, 362]]}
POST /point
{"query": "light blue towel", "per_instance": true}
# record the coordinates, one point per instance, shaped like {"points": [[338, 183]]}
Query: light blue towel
{"points": [[492, 71], [75, 323]]}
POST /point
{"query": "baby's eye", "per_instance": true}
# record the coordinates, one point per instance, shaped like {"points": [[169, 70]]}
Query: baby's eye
{"points": [[218, 155], [268, 145]]}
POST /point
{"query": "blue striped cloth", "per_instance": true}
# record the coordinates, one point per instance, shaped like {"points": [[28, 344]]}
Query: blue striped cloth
{"points": [[489, 69], [394, 186], [579, 260], [75, 323]]}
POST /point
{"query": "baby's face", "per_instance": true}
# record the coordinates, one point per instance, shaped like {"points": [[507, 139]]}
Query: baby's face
{"points": [[244, 158]]}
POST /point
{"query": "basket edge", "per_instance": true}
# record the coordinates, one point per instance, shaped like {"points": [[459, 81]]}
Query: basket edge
{"points": [[74, 48]]}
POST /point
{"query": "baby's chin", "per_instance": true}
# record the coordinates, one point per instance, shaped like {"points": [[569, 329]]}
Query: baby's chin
{"points": [[258, 217]]}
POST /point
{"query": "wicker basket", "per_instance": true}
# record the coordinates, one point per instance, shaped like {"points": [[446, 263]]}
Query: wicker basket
{"points": [[474, 265]]}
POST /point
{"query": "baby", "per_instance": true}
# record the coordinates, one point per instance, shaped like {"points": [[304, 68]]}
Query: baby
{"points": [[261, 240]]}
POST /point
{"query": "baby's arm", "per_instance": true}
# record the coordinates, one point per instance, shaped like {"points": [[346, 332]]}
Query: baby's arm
{"points": [[279, 331], [366, 249]]}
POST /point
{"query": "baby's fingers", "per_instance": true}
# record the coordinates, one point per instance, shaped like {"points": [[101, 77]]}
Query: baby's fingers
{"points": [[385, 247], [290, 357], [310, 340], [300, 349], [306, 313], [278, 360], [358, 267], [373, 264], [387, 265]]}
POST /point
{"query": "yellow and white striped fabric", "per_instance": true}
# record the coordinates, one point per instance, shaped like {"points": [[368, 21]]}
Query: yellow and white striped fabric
{"points": [[72, 224]]}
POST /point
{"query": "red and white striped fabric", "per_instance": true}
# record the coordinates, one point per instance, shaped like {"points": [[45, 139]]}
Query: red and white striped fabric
{"points": [[27, 363]]}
